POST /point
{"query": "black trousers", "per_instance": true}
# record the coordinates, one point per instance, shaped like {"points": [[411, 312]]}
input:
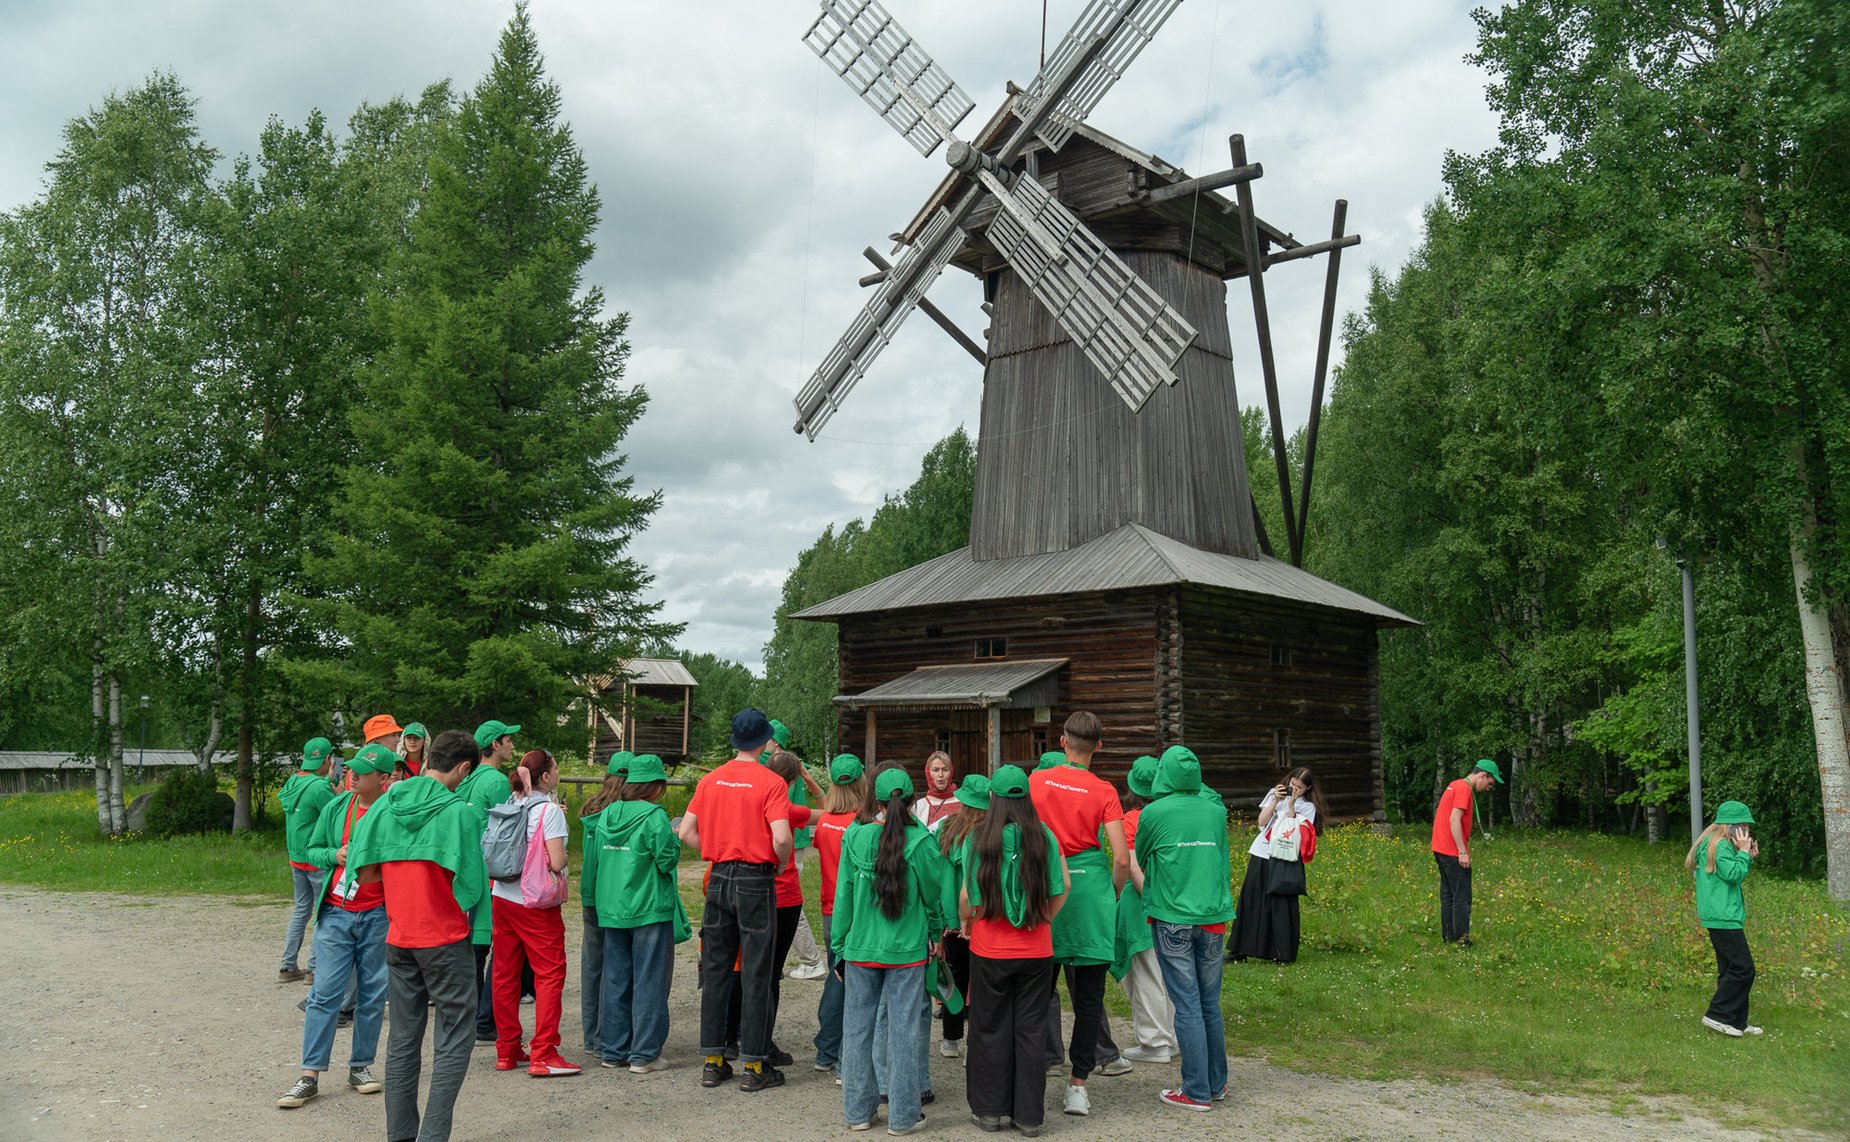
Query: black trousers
{"points": [[957, 954], [1008, 1022], [484, 998], [740, 921], [1734, 977], [787, 921], [1085, 986], [1454, 898]]}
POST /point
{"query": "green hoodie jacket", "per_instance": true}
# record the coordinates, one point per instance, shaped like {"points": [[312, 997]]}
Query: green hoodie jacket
{"points": [[302, 797], [587, 869], [1719, 903], [324, 842], [859, 932], [1182, 846], [484, 786], [637, 853], [418, 819]]}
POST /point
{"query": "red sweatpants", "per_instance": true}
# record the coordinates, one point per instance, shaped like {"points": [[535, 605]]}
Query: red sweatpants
{"points": [[525, 935]]}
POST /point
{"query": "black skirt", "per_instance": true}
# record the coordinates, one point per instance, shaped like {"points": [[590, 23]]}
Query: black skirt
{"points": [[1265, 927]]}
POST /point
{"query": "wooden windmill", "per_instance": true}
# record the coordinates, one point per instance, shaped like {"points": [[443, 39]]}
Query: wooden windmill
{"points": [[1117, 562]]}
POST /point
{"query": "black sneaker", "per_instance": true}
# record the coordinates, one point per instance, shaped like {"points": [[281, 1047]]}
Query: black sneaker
{"points": [[778, 1057], [763, 1078], [343, 1019], [304, 1089], [712, 1076]]}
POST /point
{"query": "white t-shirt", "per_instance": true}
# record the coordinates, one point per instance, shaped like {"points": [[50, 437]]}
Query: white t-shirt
{"points": [[1262, 844], [552, 820]]}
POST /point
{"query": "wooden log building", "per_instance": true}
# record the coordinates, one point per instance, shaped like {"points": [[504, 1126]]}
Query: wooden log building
{"points": [[1116, 562], [654, 711]]}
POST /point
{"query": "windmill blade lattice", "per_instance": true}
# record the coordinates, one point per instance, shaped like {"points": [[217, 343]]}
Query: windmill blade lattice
{"points": [[1127, 25], [863, 44], [875, 325], [1126, 329]]}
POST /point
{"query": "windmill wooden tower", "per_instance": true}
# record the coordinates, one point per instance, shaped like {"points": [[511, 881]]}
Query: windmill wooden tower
{"points": [[1117, 562]]}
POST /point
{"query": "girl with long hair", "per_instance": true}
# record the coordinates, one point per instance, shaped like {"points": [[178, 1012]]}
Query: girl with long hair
{"points": [[972, 803], [848, 801], [892, 904], [639, 918], [1014, 883], [1266, 926], [524, 935], [591, 942], [1720, 860]]}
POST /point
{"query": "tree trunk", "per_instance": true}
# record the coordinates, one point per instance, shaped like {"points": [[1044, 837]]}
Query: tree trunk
{"points": [[118, 809], [1824, 689], [98, 738]]}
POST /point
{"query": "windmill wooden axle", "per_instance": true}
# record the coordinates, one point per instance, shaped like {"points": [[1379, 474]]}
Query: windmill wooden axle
{"points": [[1206, 182]]}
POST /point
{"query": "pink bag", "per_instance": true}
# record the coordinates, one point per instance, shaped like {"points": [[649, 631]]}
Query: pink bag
{"points": [[540, 886]]}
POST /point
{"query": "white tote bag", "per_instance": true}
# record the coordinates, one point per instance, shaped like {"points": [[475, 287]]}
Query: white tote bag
{"points": [[1285, 838]]}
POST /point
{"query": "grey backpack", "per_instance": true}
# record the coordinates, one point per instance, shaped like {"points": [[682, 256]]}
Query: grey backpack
{"points": [[504, 844]]}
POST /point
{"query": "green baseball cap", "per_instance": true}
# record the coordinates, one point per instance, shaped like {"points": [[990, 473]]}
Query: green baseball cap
{"points": [[974, 791], [1142, 776], [315, 752], [373, 758], [417, 730], [846, 769], [893, 781], [943, 985], [1733, 813], [646, 767], [1009, 781], [619, 763], [1050, 759], [1490, 767], [488, 732]]}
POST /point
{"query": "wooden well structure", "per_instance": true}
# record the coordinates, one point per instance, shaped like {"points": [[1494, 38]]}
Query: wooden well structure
{"points": [[650, 710]]}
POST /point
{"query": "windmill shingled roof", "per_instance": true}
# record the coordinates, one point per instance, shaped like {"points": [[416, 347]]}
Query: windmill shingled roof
{"points": [[1131, 556]]}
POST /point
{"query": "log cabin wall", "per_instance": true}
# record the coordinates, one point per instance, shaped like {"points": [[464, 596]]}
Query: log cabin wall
{"points": [[1111, 639], [1267, 685]]}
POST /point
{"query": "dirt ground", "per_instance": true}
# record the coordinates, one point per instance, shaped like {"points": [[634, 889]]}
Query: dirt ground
{"points": [[191, 1037]]}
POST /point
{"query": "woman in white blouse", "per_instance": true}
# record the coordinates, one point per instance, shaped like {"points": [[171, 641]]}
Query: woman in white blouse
{"points": [[1265, 926], [940, 801]]}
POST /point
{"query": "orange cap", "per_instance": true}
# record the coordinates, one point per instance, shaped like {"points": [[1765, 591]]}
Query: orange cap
{"points": [[380, 725]]}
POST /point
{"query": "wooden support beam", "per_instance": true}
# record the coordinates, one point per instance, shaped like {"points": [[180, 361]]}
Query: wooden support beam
{"points": [[1265, 541], [1262, 326], [995, 739], [1206, 182], [873, 723], [927, 308], [1337, 242], [1327, 324]]}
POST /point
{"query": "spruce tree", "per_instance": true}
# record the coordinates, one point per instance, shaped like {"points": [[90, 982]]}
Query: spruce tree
{"points": [[478, 567]]}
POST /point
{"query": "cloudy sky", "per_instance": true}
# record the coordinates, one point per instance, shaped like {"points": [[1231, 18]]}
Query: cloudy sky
{"points": [[740, 182]]}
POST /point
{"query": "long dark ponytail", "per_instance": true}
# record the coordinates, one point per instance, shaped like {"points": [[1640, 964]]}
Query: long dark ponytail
{"points": [[892, 875], [1017, 813]]}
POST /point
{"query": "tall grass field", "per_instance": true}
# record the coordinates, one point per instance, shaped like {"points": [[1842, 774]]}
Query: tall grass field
{"points": [[1588, 976]]}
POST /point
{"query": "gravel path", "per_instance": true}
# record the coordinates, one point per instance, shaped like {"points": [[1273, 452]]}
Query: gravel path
{"points": [[123, 1018]]}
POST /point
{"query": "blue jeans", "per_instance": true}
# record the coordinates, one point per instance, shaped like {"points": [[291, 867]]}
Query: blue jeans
{"points": [[348, 945], [307, 891], [590, 978], [638, 971], [881, 1036], [1191, 961], [828, 1011], [896, 994]]}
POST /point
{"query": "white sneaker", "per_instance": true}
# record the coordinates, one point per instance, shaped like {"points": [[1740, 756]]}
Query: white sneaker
{"points": [[1750, 1029], [809, 971], [656, 1064], [949, 1049], [1718, 1025], [1148, 1054], [1117, 1066], [1077, 1100]]}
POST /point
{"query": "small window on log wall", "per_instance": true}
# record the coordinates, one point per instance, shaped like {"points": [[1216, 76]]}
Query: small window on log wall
{"points": [[944, 741], [992, 647], [1281, 749], [1281, 655], [1040, 742]]}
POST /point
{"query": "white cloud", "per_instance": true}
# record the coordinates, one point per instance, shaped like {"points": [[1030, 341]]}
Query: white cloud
{"points": [[740, 183]]}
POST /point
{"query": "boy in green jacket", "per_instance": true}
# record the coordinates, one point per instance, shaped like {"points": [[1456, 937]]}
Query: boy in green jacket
{"points": [[1720, 860], [302, 797], [425, 845], [1187, 893]]}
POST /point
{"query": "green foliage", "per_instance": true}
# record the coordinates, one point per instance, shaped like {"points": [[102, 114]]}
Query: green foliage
{"points": [[929, 519], [726, 687], [186, 802], [478, 566]]}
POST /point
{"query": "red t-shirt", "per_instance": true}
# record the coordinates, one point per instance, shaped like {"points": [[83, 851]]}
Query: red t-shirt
{"points": [[420, 907], [826, 838], [1075, 804], [1457, 796], [1130, 828], [734, 807], [303, 867], [1000, 940], [789, 888], [366, 896]]}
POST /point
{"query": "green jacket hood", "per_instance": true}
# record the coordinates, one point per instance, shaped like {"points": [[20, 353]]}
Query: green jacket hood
{"points": [[297, 788], [1177, 771], [417, 803]]}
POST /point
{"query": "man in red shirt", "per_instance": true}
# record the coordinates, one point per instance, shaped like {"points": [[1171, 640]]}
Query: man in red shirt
{"points": [[1076, 805], [739, 819], [423, 844], [1451, 848]]}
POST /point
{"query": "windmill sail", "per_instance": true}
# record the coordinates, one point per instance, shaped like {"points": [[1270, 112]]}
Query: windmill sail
{"points": [[874, 327], [1127, 26], [864, 45], [1124, 327]]}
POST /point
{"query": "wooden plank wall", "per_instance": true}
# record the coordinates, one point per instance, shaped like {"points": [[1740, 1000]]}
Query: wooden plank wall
{"points": [[1234, 697], [1110, 638], [1062, 460]]}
